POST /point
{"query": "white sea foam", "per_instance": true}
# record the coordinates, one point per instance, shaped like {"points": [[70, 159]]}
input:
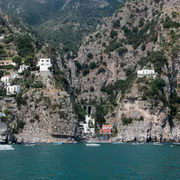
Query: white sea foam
{"points": [[6, 147]]}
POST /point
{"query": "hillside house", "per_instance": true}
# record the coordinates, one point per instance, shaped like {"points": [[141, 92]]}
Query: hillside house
{"points": [[6, 80], [7, 63], [150, 73], [106, 129], [44, 64], [22, 68], [12, 90], [88, 126]]}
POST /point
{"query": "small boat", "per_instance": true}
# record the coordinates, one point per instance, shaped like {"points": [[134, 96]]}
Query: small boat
{"points": [[57, 143], [136, 143], [30, 145], [92, 144], [6, 147], [157, 144], [118, 143]]}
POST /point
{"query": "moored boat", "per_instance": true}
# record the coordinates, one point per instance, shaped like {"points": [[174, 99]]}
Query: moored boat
{"points": [[118, 143], [157, 144], [92, 144]]}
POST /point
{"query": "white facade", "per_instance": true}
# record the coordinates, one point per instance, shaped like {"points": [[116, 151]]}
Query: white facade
{"points": [[6, 79], [146, 73], [89, 125], [22, 68], [44, 64], [12, 90]]}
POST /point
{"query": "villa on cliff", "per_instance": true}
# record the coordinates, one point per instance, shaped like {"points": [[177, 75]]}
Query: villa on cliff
{"points": [[150, 73], [7, 78], [22, 68], [88, 127], [44, 64], [12, 90]]}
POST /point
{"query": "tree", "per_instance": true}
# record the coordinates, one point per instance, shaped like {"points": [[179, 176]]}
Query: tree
{"points": [[17, 60]]}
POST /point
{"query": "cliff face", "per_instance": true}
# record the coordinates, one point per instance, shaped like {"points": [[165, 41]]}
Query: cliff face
{"points": [[42, 111], [142, 35]]}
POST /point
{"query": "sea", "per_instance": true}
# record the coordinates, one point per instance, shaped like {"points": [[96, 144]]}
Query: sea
{"points": [[81, 162]]}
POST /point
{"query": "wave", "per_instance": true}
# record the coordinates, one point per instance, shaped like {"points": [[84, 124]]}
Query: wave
{"points": [[6, 147]]}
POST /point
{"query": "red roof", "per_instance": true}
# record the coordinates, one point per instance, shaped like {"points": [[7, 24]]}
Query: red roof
{"points": [[108, 126]]}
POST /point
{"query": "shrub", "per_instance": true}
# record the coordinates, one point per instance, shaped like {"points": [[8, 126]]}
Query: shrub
{"points": [[169, 23], [25, 46], [113, 34], [101, 70], [116, 24], [37, 84], [92, 65], [122, 50], [126, 121], [20, 100], [2, 92], [90, 55], [17, 60], [78, 65], [113, 45], [18, 127], [85, 72]]}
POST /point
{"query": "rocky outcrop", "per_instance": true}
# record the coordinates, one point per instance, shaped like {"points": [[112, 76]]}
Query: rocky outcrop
{"points": [[141, 35]]}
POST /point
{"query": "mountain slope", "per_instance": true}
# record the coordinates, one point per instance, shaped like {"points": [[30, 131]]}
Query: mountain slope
{"points": [[62, 23], [142, 35], [41, 110]]}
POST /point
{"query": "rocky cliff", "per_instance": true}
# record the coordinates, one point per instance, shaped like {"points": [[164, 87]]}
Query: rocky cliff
{"points": [[142, 35], [42, 111]]}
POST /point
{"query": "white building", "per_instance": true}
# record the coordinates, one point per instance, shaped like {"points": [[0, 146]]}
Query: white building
{"points": [[44, 64], [6, 79], [146, 73], [22, 68], [12, 90], [89, 125]]}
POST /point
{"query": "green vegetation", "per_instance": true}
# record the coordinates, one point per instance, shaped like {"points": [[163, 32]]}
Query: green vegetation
{"points": [[169, 23], [2, 92], [116, 24], [20, 100], [37, 84], [93, 65], [24, 45], [101, 112], [157, 58], [113, 45], [80, 112], [136, 36], [85, 72], [113, 34], [90, 55], [120, 85], [17, 60], [126, 121], [155, 91], [18, 127]]}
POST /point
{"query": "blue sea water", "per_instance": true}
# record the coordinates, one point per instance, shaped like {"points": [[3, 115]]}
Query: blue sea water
{"points": [[77, 161]]}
